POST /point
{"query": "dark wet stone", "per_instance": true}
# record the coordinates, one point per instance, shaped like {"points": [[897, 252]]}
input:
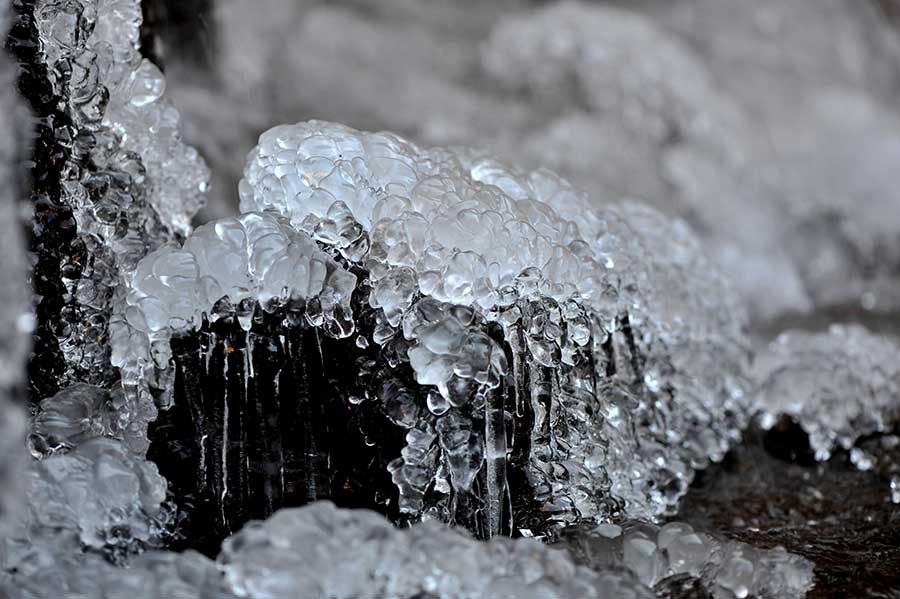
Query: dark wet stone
{"points": [[839, 518]]}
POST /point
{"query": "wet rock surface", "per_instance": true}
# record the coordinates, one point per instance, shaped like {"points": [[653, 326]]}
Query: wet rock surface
{"points": [[768, 492]]}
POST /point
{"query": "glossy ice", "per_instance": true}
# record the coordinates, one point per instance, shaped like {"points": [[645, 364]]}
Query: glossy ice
{"points": [[614, 342], [129, 181]]}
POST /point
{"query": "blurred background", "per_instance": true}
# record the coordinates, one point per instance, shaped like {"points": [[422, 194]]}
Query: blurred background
{"points": [[771, 126]]}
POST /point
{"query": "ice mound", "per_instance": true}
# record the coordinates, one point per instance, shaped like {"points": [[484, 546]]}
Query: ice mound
{"points": [[612, 347], [425, 560], [840, 386], [423, 210], [727, 569], [97, 495], [117, 180]]}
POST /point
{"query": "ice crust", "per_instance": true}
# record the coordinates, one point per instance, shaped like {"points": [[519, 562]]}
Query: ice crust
{"points": [[728, 569], [130, 181], [840, 386], [631, 340]]}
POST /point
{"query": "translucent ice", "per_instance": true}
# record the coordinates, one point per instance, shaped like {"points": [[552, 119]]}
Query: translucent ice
{"points": [[115, 93], [728, 569], [77, 413], [252, 258], [98, 495], [840, 385], [129, 180], [630, 340], [293, 554]]}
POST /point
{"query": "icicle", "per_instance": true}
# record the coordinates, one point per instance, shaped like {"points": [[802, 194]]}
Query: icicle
{"points": [[495, 458]]}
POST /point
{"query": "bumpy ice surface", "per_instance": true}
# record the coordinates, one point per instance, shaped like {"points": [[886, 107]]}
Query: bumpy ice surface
{"points": [[840, 386], [726, 568], [130, 181], [645, 334], [720, 111]]}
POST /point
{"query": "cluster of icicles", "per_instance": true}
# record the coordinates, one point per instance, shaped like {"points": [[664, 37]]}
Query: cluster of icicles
{"points": [[631, 341]]}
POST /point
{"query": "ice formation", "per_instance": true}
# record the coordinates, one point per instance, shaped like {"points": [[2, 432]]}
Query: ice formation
{"points": [[121, 181], [254, 258], [840, 386], [151, 575], [14, 318], [728, 569], [100, 493], [293, 555], [727, 121], [465, 230], [430, 332], [603, 361], [425, 560]]}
